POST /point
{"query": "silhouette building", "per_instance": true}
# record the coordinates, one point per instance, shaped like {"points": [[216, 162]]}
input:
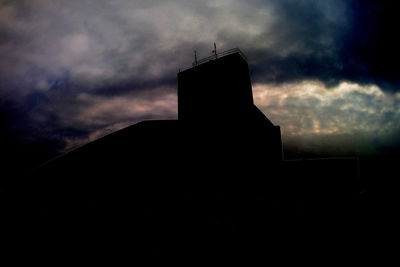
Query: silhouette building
{"points": [[217, 171]]}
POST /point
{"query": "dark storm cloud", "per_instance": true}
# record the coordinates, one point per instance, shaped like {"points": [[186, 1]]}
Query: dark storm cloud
{"points": [[62, 61], [372, 42], [118, 46], [332, 42]]}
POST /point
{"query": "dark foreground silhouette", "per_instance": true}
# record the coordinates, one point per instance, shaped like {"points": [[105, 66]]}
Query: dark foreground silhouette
{"points": [[211, 185]]}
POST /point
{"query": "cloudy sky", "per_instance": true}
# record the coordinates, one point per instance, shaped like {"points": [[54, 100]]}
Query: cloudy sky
{"points": [[72, 71]]}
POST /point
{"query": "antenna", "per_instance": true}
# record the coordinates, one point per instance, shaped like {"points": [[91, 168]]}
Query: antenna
{"points": [[215, 50], [195, 58]]}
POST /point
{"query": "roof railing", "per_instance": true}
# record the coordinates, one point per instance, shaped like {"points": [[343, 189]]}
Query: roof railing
{"points": [[215, 56]]}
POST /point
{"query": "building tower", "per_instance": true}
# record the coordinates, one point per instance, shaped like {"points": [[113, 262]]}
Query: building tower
{"points": [[217, 92]]}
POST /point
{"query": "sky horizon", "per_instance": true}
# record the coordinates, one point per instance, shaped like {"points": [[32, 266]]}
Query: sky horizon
{"points": [[73, 71]]}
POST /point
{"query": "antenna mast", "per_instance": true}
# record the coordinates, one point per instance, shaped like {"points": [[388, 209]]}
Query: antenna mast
{"points": [[195, 58], [215, 50]]}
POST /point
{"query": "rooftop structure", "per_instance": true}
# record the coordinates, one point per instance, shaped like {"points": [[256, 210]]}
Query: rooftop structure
{"points": [[217, 88], [218, 55]]}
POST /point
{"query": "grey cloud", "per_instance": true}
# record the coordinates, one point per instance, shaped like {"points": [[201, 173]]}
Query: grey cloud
{"points": [[52, 52], [103, 44]]}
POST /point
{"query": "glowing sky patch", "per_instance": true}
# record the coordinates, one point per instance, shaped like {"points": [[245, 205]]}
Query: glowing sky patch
{"points": [[311, 108]]}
